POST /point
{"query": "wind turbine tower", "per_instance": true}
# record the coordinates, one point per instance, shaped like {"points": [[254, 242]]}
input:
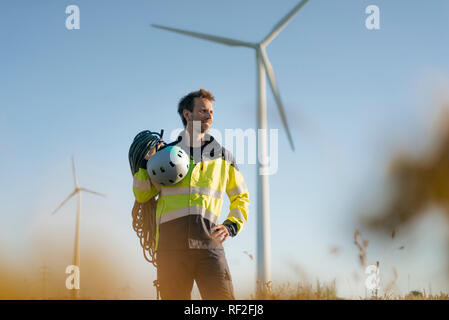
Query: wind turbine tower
{"points": [[76, 191], [264, 70]]}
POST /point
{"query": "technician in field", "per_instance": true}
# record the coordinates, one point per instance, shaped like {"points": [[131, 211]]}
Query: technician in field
{"points": [[188, 239]]}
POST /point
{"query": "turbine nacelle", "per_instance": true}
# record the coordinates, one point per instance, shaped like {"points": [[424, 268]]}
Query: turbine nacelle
{"points": [[77, 189], [261, 54]]}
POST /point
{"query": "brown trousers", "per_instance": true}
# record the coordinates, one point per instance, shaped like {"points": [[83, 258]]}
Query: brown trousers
{"points": [[177, 269]]}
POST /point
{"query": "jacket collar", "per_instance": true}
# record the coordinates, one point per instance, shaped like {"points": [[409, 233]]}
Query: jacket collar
{"points": [[210, 145], [184, 142]]}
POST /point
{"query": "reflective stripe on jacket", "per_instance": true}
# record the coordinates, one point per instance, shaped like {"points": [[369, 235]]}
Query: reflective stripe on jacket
{"points": [[187, 210]]}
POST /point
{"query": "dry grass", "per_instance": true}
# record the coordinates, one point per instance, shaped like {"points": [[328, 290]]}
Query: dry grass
{"points": [[305, 291], [100, 270], [38, 280], [414, 295], [298, 291], [361, 245]]}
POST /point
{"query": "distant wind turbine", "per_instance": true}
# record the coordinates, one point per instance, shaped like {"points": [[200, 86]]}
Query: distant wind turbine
{"points": [[264, 69], [78, 190]]}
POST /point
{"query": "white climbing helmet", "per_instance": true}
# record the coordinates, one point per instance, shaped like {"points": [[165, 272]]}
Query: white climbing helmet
{"points": [[168, 166]]}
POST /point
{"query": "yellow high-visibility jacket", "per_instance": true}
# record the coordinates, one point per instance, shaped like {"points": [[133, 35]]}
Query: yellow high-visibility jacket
{"points": [[187, 210]]}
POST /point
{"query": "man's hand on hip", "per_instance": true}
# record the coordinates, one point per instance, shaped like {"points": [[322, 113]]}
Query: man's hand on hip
{"points": [[220, 233]]}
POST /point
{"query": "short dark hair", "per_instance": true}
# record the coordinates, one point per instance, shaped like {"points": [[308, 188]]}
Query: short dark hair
{"points": [[186, 102]]}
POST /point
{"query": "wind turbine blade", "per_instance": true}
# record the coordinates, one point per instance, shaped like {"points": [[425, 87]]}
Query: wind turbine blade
{"points": [[222, 40], [74, 173], [90, 191], [281, 24], [63, 202], [277, 97]]}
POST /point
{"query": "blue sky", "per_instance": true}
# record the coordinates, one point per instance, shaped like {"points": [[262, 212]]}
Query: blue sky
{"points": [[351, 95]]}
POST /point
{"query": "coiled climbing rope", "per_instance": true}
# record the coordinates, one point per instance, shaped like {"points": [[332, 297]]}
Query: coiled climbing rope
{"points": [[144, 214], [143, 142]]}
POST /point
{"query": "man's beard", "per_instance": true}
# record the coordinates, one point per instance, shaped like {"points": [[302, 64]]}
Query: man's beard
{"points": [[203, 130], [199, 126]]}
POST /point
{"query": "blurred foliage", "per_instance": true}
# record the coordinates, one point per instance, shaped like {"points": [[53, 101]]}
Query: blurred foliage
{"points": [[418, 183]]}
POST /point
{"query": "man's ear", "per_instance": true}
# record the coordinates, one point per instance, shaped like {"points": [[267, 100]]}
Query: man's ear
{"points": [[186, 114]]}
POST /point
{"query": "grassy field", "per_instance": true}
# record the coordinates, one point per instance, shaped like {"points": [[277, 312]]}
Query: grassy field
{"points": [[46, 285], [286, 291], [306, 291]]}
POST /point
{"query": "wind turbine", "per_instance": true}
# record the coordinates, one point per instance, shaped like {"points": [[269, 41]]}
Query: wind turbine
{"points": [[78, 190], [264, 70]]}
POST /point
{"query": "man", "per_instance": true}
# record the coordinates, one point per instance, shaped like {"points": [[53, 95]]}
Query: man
{"points": [[188, 237]]}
